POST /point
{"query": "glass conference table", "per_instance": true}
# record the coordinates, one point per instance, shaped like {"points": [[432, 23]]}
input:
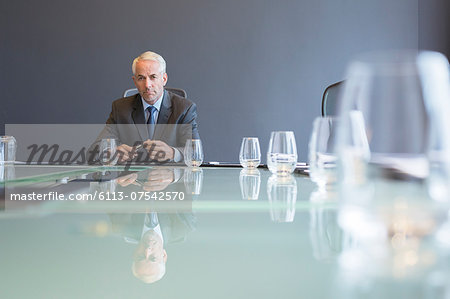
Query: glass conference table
{"points": [[175, 232]]}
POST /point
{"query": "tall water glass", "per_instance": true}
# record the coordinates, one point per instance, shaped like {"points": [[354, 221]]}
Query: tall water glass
{"points": [[282, 153], [108, 154], [322, 155], [8, 147], [250, 154], [394, 144], [193, 153]]}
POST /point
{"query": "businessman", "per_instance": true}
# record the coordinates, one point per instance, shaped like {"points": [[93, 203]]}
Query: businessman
{"points": [[154, 119]]}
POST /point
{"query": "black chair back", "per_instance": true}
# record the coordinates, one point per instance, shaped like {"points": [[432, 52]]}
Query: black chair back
{"points": [[330, 99]]}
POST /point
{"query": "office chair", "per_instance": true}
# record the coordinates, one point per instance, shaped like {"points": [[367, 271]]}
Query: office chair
{"points": [[330, 99], [178, 91]]}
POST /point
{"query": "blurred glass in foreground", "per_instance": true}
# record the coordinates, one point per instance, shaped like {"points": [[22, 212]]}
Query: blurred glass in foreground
{"points": [[393, 145], [322, 155], [407, 270]]}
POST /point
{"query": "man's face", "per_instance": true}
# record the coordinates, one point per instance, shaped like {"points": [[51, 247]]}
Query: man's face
{"points": [[149, 80], [150, 248], [149, 254]]}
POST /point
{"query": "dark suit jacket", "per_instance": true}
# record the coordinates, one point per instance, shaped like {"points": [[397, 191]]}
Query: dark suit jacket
{"points": [[177, 121]]}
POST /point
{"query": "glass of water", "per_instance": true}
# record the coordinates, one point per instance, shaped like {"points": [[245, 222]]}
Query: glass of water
{"points": [[282, 153], [108, 154], [8, 146], [322, 156], [193, 153], [250, 154]]}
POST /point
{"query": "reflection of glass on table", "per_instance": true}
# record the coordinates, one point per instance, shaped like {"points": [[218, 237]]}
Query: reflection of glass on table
{"points": [[193, 180], [282, 193], [250, 182], [7, 172]]}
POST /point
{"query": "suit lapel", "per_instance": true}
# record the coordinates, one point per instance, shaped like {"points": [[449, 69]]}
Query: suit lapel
{"points": [[139, 117], [163, 117]]}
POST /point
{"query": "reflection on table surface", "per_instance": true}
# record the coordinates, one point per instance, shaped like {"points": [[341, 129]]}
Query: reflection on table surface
{"points": [[234, 234]]}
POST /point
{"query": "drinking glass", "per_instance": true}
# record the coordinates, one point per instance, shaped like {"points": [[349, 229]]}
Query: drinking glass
{"points": [[193, 153], [394, 144], [108, 154], [8, 148], [282, 153], [250, 154], [250, 182], [322, 155]]}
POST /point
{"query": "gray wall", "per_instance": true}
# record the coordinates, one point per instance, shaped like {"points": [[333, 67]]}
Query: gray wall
{"points": [[251, 66]]}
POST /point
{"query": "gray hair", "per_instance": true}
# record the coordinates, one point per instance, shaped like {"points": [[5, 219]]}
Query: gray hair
{"points": [[151, 56], [160, 272]]}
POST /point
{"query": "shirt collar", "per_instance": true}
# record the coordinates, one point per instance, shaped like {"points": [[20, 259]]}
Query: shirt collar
{"points": [[157, 104]]}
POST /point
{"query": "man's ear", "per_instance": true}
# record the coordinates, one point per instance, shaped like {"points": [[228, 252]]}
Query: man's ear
{"points": [[164, 255], [134, 80], [165, 77]]}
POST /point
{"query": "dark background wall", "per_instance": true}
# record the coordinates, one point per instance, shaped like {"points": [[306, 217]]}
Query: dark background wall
{"points": [[434, 25], [251, 66]]}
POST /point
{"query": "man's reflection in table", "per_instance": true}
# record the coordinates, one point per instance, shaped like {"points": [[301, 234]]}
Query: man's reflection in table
{"points": [[151, 230], [150, 257]]}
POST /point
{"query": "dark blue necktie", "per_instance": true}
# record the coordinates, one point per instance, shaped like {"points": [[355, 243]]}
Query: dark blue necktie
{"points": [[151, 220], [151, 121]]}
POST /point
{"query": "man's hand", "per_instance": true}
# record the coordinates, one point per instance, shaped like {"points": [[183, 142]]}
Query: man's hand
{"points": [[126, 153], [158, 180], [127, 180], [159, 150]]}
